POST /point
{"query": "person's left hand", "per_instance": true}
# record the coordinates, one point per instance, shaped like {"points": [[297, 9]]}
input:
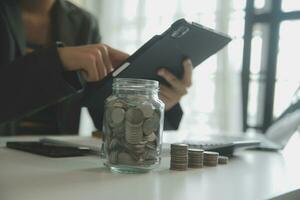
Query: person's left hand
{"points": [[172, 94]]}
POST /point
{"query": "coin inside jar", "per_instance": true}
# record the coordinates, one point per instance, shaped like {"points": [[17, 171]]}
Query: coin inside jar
{"points": [[147, 109], [133, 133], [151, 137], [134, 116], [150, 125], [117, 115], [125, 158]]}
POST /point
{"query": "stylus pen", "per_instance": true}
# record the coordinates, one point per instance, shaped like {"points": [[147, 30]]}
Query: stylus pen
{"points": [[69, 144]]}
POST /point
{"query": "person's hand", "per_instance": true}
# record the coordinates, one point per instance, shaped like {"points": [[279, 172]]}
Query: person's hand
{"points": [[94, 61], [172, 94]]}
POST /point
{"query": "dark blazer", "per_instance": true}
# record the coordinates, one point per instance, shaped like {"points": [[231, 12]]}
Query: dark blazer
{"points": [[29, 83]]}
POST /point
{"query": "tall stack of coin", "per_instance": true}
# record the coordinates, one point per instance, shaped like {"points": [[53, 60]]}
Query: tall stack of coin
{"points": [[195, 158], [131, 130], [179, 157], [210, 158]]}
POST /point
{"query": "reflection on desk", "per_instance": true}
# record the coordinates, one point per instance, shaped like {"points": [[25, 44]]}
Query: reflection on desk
{"points": [[249, 175]]}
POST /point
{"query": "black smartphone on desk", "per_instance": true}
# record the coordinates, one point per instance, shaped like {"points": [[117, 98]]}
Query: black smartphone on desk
{"points": [[168, 50], [49, 150]]}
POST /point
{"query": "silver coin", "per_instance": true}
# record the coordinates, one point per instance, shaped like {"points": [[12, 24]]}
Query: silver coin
{"points": [[151, 145], [113, 144], [125, 158], [117, 115], [150, 154], [133, 134], [211, 154], [111, 99], [210, 158], [147, 109], [139, 147], [151, 137], [223, 160], [134, 100], [134, 116], [107, 116], [179, 146], [150, 125], [196, 151], [106, 130], [118, 131], [113, 157], [116, 102], [179, 159], [179, 167], [134, 155], [136, 152], [156, 115]]}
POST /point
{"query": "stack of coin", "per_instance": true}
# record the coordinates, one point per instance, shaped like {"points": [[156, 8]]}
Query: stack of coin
{"points": [[210, 158], [132, 131], [133, 125], [179, 157], [195, 158], [223, 160]]}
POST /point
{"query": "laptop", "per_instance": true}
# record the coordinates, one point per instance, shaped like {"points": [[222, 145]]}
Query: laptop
{"points": [[275, 138], [278, 134]]}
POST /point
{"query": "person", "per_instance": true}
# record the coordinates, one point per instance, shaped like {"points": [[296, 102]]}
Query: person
{"points": [[50, 51]]}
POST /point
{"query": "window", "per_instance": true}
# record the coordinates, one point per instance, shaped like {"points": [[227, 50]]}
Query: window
{"points": [[290, 5], [271, 61], [288, 65]]}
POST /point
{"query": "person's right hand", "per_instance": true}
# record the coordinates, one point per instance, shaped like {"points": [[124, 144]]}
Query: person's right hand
{"points": [[94, 61]]}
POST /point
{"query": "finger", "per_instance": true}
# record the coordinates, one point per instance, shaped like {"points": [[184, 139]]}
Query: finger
{"points": [[116, 56], [90, 72], [169, 77], [106, 58], [163, 99], [172, 80], [187, 76], [100, 64], [167, 102], [173, 95], [85, 75], [167, 92]]}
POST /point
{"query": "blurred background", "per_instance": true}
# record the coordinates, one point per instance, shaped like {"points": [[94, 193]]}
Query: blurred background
{"points": [[243, 87]]}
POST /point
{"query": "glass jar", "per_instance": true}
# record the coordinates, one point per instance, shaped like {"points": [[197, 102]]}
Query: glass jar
{"points": [[133, 125]]}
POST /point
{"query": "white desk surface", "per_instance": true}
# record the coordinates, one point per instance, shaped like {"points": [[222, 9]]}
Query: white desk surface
{"points": [[249, 175]]}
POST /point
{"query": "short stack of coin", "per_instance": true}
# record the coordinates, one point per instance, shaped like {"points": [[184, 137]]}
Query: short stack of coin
{"points": [[179, 157], [210, 158], [195, 158], [223, 160]]}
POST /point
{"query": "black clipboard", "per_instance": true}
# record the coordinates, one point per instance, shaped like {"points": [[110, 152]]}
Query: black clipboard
{"points": [[182, 40]]}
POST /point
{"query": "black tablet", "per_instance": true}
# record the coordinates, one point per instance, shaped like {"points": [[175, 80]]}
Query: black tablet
{"points": [[182, 40]]}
